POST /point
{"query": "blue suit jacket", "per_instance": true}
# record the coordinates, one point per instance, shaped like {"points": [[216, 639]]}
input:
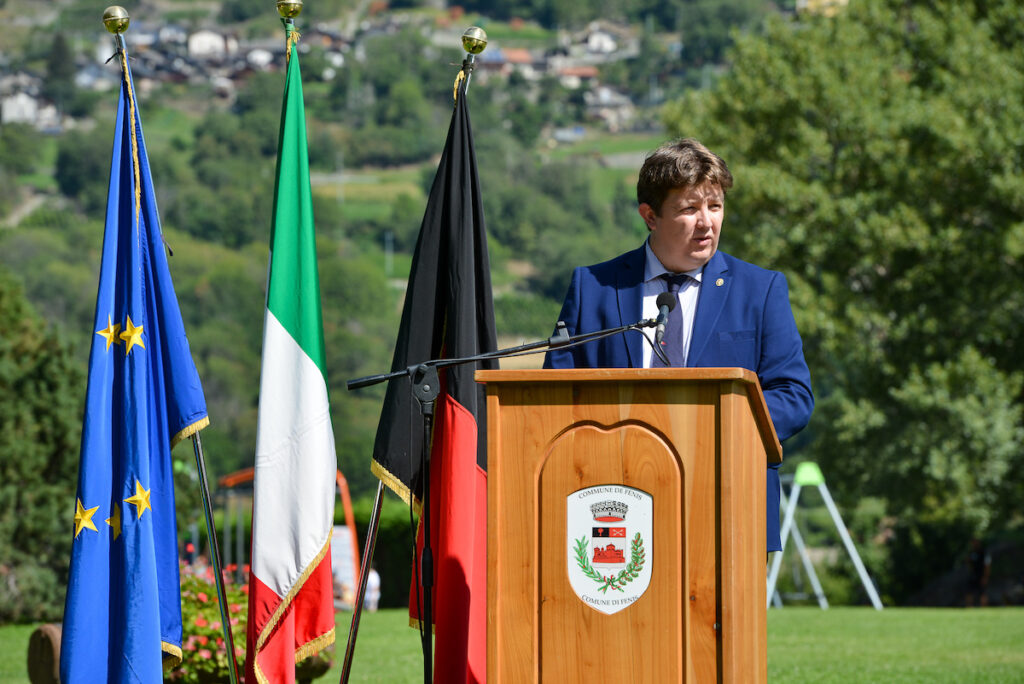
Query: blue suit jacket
{"points": [[745, 322]]}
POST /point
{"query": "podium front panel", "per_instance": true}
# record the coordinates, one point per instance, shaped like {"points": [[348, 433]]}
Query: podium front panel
{"points": [[647, 604]]}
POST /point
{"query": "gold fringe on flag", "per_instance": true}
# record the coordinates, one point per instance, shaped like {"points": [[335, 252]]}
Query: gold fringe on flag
{"points": [[293, 38], [135, 142], [458, 79]]}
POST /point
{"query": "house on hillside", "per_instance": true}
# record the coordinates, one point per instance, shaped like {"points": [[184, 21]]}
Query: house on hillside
{"points": [[324, 37], [506, 61], [142, 36], [172, 34], [19, 108], [578, 76], [612, 108], [259, 58], [93, 76], [29, 109], [211, 45], [603, 41], [21, 102], [20, 82]]}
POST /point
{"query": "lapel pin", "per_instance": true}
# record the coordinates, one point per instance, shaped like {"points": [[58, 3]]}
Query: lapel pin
{"points": [[720, 282]]}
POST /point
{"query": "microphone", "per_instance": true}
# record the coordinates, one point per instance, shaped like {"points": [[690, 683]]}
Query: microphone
{"points": [[665, 302]]}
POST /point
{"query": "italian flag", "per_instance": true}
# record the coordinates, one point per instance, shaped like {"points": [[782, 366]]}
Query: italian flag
{"points": [[291, 610]]}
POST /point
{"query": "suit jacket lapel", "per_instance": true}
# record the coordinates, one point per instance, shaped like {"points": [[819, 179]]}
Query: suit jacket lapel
{"points": [[631, 297], [714, 289]]}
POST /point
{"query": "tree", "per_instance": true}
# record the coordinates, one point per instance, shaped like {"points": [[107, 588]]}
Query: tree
{"points": [[41, 397], [392, 98], [232, 11], [404, 105], [879, 158], [60, 72], [18, 147], [222, 196], [707, 26], [83, 169]]}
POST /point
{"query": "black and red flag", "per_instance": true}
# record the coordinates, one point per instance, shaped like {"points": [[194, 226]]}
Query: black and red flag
{"points": [[448, 313]]}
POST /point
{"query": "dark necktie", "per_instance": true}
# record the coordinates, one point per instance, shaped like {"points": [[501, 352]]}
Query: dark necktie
{"points": [[672, 343]]}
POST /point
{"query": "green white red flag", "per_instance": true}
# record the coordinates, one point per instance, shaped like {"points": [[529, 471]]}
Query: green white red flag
{"points": [[291, 609]]}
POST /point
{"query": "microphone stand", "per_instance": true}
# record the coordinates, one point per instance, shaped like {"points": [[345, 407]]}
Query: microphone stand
{"points": [[426, 387], [561, 339]]}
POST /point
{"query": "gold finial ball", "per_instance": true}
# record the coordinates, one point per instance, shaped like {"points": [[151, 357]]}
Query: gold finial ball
{"points": [[289, 9], [116, 19], [474, 40]]}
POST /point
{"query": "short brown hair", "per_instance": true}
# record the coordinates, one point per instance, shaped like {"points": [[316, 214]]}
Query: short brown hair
{"points": [[681, 163]]}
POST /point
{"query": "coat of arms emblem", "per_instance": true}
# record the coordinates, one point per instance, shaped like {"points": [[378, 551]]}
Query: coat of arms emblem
{"points": [[609, 555]]}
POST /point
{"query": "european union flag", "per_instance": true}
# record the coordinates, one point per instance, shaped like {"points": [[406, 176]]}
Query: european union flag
{"points": [[122, 616]]}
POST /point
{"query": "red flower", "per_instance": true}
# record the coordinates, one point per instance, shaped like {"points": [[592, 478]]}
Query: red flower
{"points": [[201, 621], [202, 639], [204, 653], [202, 597]]}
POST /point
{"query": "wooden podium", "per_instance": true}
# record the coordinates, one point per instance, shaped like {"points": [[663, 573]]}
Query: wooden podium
{"points": [[625, 524]]}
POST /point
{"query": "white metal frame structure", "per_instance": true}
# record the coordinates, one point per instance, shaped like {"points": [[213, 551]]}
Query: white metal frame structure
{"points": [[809, 474]]}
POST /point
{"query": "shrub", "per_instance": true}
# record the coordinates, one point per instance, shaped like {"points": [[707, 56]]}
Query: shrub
{"points": [[204, 652]]}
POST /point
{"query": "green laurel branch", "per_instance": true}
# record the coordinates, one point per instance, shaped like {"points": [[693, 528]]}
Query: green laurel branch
{"points": [[638, 556]]}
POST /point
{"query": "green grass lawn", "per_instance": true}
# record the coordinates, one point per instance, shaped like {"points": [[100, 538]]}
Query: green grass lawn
{"points": [[387, 649], [14, 652], [840, 646], [847, 645]]}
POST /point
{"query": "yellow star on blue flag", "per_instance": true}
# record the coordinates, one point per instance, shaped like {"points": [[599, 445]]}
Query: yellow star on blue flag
{"points": [[83, 518], [132, 336], [140, 499], [122, 614], [111, 333]]}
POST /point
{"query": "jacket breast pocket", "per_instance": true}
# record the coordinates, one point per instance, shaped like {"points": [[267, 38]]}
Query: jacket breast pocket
{"points": [[736, 335], [736, 348]]}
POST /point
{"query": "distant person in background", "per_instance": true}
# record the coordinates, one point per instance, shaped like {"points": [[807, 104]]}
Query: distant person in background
{"points": [[979, 565], [372, 599], [201, 565], [343, 593], [728, 313]]}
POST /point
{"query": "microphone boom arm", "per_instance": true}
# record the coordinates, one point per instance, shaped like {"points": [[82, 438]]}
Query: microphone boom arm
{"points": [[559, 340]]}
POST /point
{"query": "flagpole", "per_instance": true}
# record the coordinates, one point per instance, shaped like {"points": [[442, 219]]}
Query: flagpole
{"points": [[425, 387], [424, 380], [116, 21], [211, 532], [474, 41], [357, 609], [292, 616]]}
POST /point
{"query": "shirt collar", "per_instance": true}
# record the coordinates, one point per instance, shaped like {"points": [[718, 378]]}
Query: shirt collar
{"points": [[653, 268]]}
